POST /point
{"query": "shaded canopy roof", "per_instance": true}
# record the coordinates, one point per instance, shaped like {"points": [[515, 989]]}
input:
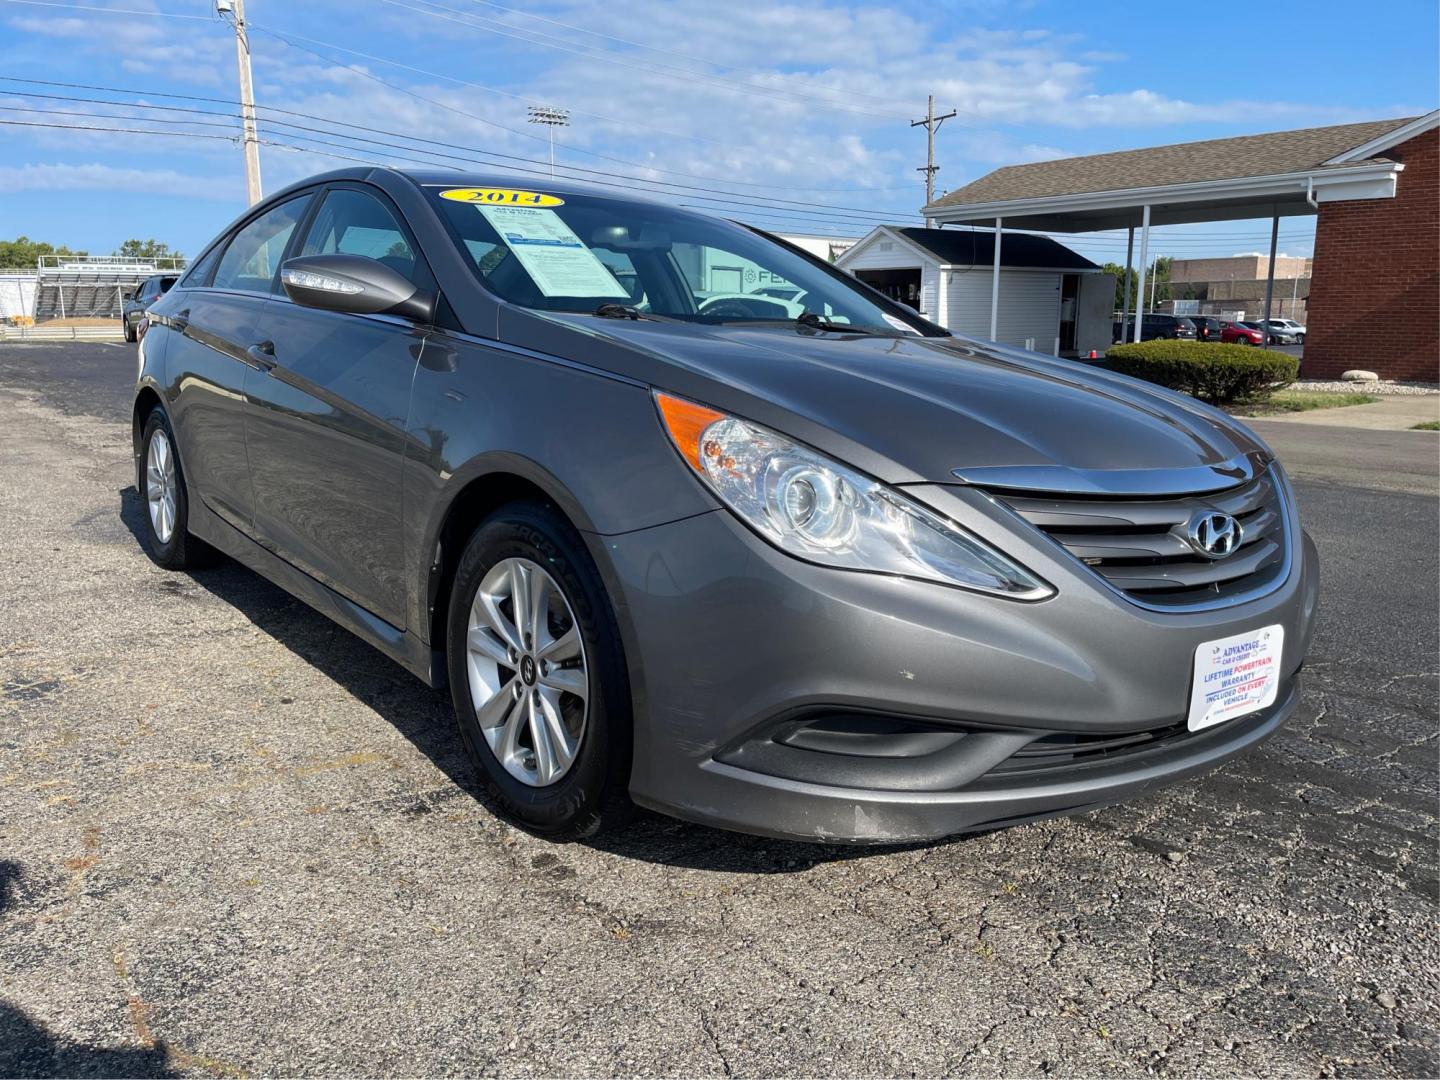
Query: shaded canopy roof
{"points": [[976, 247], [1274, 154]]}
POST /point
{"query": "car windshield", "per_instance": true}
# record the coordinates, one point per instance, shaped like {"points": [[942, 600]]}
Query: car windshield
{"points": [[613, 256]]}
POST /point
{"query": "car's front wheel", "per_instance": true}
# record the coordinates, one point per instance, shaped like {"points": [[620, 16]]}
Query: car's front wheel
{"points": [[162, 492], [130, 335], [537, 674]]}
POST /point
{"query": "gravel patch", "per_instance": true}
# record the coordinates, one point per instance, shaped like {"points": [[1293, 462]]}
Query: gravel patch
{"points": [[1384, 387]]}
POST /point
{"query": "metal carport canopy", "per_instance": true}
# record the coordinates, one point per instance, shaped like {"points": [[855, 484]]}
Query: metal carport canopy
{"points": [[1284, 174]]}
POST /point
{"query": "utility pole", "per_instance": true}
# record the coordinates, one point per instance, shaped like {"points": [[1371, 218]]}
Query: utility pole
{"points": [[931, 124], [236, 10], [552, 118]]}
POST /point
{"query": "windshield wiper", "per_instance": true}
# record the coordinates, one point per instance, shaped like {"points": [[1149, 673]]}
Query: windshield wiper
{"points": [[810, 320], [813, 321]]}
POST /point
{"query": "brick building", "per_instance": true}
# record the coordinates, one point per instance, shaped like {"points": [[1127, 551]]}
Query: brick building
{"points": [[1375, 292], [1237, 286], [1374, 289]]}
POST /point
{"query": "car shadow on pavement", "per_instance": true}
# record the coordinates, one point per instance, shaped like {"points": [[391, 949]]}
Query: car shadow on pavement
{"points": [[425, 718], [27, 1049]]}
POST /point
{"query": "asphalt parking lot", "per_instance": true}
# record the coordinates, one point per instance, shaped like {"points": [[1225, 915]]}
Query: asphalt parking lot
{"points": [[236, 841]]}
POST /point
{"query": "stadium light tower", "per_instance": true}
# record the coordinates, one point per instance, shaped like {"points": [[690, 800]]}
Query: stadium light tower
{"points": [[552, 118]]}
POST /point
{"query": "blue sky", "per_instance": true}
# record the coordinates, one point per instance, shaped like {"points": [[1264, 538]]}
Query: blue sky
{"points": [[801, 106]]}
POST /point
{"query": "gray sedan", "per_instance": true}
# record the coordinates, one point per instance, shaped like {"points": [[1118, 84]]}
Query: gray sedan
{"points": [[838, 575]]}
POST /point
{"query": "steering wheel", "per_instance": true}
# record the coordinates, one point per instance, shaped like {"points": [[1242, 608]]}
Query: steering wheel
{"points": [[727, 309]]}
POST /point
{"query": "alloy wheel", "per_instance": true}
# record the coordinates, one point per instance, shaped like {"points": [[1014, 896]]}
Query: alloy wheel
{"points": [[161, 486], [529, 684]]}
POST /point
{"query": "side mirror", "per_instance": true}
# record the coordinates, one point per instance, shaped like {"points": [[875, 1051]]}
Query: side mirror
{"points": [[355, 285], [129, 296]]}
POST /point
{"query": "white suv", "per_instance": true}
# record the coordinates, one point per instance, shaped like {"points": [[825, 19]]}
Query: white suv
{"points": [[1291, 327]]}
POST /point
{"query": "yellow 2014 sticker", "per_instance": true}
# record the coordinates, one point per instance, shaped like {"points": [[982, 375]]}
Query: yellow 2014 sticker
{"points": [[487, 196]]}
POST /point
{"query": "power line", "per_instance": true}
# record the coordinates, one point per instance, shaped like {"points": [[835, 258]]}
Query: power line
{"points": [[109, 11], [121, 131], [706, 193], [784, 217], [291, 38], [428, 158], [116, 116]]}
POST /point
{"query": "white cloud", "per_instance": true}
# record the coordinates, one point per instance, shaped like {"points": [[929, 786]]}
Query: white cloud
{"points": [[750, 111]]}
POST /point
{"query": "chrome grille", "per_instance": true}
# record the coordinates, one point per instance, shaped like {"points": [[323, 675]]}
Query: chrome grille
{"points": [[1138, 544]]}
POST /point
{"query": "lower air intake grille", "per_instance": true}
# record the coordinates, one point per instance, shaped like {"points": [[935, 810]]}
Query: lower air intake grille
{"points": [[1139, 545]]}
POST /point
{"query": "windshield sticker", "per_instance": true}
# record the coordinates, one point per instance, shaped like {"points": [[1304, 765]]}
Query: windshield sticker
{"points": [[494, 196], [551, 253], [899, 324]]}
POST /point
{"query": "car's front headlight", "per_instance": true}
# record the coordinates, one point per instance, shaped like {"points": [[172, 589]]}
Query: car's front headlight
{"points": [[817, 509]]}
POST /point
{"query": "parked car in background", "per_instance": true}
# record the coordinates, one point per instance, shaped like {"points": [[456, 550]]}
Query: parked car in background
{"points": [[1288, 328], [132, 310], [1239, 333], [1206, 328], [753, 305], [1155, 326], [835, 574]]}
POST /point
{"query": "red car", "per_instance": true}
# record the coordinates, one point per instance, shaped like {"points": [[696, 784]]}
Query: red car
{"points": [[1235, 333]]}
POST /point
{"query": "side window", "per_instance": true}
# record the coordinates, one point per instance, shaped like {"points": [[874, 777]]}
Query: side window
{"points": [[198, 273], [351, 222], [253, 256]]}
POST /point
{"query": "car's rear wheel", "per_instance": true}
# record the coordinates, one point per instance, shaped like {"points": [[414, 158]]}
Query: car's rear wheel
{"points": [[162, 493], [537, 674]]}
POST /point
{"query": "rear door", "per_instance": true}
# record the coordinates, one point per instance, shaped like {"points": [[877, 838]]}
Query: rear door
{"points": [[326, 422], [207, 361]]}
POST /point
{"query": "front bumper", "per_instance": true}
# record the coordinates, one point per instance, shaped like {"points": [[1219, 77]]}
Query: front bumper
{"points": [[729, 641]]}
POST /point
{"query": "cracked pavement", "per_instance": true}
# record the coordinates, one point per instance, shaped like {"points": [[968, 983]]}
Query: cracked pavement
{"points": [[234, 840]]}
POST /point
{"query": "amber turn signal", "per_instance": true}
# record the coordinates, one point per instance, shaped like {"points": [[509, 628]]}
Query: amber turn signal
{"points": [[686, 422]]}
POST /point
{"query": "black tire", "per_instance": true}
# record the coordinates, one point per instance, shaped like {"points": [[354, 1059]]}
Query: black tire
{"points": [[130, 334], [592, 796], [181, 551]]}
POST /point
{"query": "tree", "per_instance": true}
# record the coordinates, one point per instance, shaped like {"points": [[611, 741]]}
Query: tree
{"points": [[1159, 272], [22, 253], [146, 249]]}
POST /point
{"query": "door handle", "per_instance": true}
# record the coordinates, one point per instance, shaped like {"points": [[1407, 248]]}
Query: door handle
{"points": [[262, 355]]}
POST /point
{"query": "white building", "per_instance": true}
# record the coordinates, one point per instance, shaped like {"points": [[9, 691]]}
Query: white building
{"points": [[828, 248], [1051, 299], [17, 293]]}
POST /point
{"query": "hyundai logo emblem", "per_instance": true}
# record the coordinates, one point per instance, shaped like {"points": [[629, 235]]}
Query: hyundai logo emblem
{"points": [[1213, 534]]}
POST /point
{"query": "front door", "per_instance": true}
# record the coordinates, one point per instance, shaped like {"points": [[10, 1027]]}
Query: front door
{"points": [[325, 425], [208, 359], [1069, 309]]}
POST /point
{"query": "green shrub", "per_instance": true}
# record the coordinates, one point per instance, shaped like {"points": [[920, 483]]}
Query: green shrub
{"points": [[1212, 372]]}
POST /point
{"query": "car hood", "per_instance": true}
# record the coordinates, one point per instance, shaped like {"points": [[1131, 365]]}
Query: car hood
{"points": [[914, 409]]}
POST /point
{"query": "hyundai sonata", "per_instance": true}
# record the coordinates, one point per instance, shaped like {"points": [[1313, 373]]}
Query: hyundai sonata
{"points": [[811, 568]]}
